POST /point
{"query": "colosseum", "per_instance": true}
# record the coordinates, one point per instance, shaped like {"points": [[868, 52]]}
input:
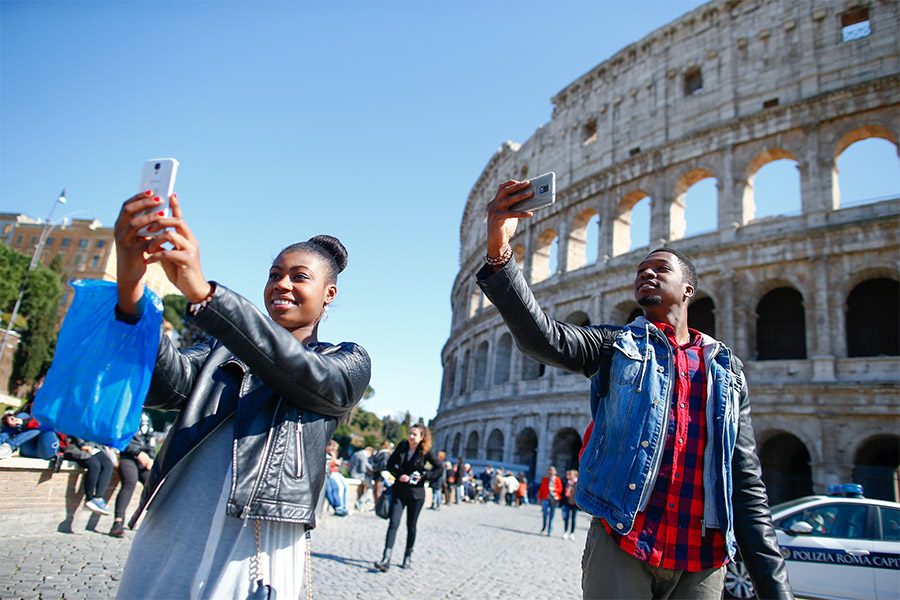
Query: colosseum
{"points": [[808, 294]]}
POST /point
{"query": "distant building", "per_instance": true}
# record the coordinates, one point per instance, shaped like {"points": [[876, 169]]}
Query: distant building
{"points": [[808, 295], [87, 249]]}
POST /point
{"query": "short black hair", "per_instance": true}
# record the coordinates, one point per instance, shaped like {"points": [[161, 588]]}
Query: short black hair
{"points": [[329, 248], [688, 270]]}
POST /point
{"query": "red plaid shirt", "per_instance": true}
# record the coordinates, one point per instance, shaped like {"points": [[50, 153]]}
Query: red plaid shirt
{"points": [[669, 532]]}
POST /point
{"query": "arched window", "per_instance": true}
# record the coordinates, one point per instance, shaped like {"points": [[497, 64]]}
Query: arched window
{"points": [[464, 373], [481, 364], [472, 446], [583, 240], [695, 207], [785, 468], [774, 189], [531, 369], [781, 325], [450, 376], [503, 359], [544, 261], [701, 316], [875, 466], [495, 446], [873, 318], [526, 450], [565, 450], [868, 170], [631, 227], [457, 441]]}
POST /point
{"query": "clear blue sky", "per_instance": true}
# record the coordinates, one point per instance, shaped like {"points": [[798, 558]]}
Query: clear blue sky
{"points": [[367, 120]]}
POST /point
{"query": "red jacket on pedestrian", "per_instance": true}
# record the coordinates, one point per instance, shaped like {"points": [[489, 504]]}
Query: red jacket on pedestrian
{"points": [[544, 492]]}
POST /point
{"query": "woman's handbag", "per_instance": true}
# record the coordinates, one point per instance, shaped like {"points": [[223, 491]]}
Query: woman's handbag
{"points": [[383, 506], [101, 369]]}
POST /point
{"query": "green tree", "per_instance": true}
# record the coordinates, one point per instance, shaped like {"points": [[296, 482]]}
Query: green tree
{"points": [[174, 307], [39, 307]]}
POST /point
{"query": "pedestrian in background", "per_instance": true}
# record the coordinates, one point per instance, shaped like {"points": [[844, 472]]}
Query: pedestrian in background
{"points": [[412, 464], [569, 508], [233, 490], [379, 464], [548, 495], [135, 462], [361, 469], [438, 485], [522, 492]]}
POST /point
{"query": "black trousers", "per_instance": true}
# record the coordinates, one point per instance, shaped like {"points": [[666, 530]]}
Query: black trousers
{"points": [[413, 507], [99, 472], [130, 471]]}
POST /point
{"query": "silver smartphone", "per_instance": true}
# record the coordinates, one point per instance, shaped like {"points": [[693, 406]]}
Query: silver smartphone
{"points": [[158, 176], [544, 188]]}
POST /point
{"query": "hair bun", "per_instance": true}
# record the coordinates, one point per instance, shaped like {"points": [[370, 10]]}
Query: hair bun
{"points": [[333, 247]]}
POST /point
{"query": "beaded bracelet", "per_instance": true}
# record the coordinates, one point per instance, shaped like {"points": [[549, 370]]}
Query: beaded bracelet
{"points": [[193, 309], [501, 260]]}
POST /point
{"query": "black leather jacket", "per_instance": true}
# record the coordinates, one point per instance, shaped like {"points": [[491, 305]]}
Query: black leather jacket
{"points": [[542, 338], [286, 399]]}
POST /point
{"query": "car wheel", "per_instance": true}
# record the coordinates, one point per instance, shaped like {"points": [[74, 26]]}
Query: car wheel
{"points": [[737, 582]]}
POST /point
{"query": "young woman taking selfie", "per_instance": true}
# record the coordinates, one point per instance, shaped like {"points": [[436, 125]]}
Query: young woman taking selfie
{"points": [[233, 490]]}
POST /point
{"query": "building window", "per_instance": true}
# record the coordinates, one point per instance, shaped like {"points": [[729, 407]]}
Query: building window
{"points": [[65, 243], [78, 261], [82, 243], [64, 299], [693, 82], [590, 132], [100, 244], [95, 260], [19, 239], [49, 241], [7, 228], [855, 24], [33, 240]]}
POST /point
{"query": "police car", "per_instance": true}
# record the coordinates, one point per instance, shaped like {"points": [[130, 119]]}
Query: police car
{"points": [[838, 546]]}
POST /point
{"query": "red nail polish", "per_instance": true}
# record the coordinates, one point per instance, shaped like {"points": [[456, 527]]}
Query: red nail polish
{"points": [[175, 196], [148, 193], [161, 213], [157, 199]]}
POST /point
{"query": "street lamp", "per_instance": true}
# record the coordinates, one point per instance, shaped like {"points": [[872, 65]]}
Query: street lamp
{"points": [[35, 258]]}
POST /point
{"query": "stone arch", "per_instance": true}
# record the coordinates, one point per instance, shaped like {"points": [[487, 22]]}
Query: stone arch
{"points": [[526, 450], [503, 359], [875, 466], [471, 450], [565, 450], [786, 468], [450, 376], [531, 369], [781, 325], [622, 221], [577, 248], [481, 365], [873, 318], [578, 317], [494, 448], [457, 444], [476, 300], [519, 255], [678, 206], [702, 314], [846, 139], [541, 267], [623, 312], [757, 164], [464, 372]]}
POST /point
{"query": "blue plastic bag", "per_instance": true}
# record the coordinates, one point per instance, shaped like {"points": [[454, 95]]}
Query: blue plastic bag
{"points": [[101, 370]]}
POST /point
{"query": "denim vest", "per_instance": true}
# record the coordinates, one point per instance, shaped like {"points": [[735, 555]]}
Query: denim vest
{"points": [[620, 463]]}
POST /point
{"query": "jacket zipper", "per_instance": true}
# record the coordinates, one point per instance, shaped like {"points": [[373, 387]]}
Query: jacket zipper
{"points": [[245, 512], [299, 442]]}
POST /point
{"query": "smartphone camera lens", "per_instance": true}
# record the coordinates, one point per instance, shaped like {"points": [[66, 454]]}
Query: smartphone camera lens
{"points": [[157, 166], [544, 189]]}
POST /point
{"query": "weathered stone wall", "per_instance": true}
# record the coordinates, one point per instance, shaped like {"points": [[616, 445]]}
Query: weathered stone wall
{"points": [[778, 81]]}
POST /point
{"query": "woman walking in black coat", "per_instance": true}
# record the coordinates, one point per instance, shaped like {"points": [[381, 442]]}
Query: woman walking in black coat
{"points": [[412, 463]]}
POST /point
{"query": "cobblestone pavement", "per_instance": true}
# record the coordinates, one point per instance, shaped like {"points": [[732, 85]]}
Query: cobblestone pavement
{"points": [[470, 551]]}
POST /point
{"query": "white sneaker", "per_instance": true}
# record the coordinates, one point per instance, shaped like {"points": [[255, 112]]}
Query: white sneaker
{"points": [[6, 451]]}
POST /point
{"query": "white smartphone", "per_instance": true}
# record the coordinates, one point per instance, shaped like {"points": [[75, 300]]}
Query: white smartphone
{"points": [[544, 188], [158, 176]]}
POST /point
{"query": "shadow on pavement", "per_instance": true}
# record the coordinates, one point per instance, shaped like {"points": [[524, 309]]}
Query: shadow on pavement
{"points": [[510, 529], [353, 562]]}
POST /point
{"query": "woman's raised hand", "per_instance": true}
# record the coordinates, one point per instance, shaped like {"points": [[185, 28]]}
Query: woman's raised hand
{"points": [[181, 262], [130, 247], [502, 221]]}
